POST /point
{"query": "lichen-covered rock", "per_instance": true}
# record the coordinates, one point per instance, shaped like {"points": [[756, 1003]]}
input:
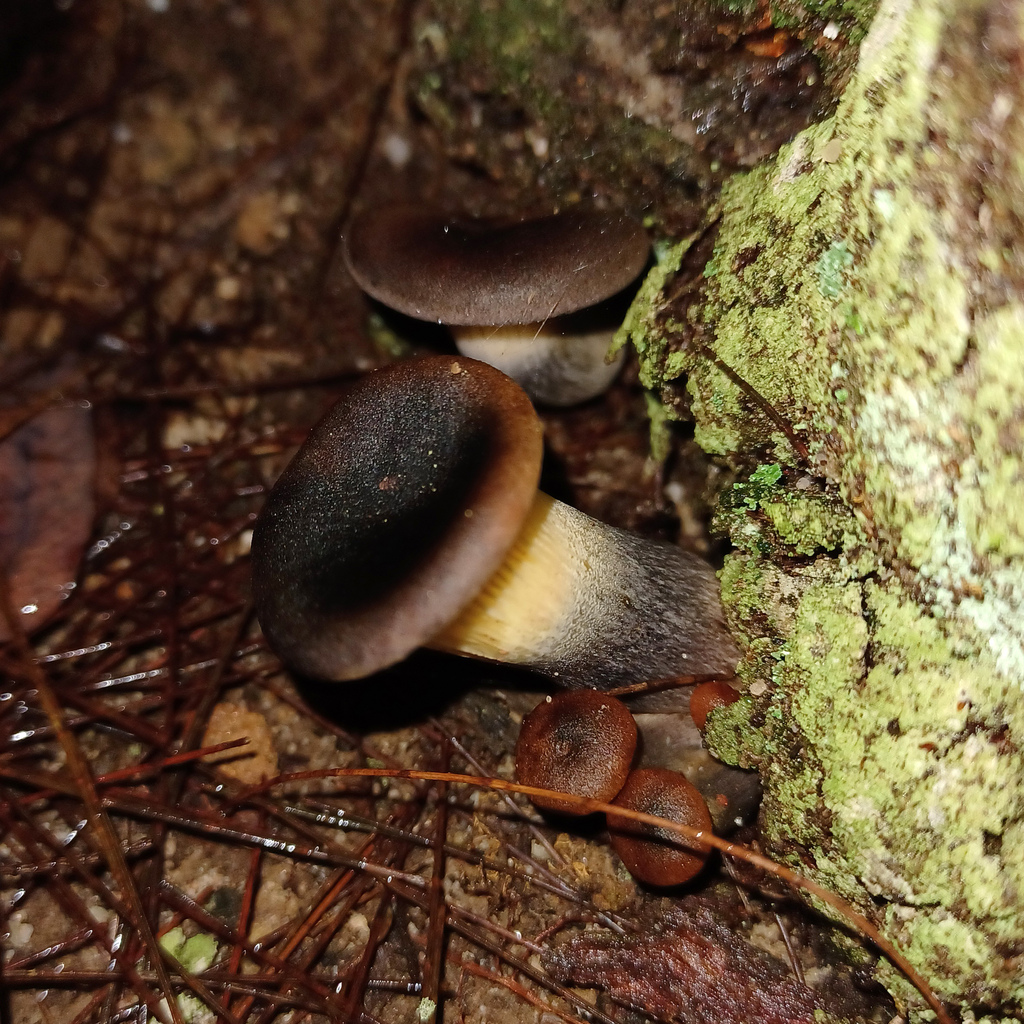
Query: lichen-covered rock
{"points": [[885, 743], [867, 289]]}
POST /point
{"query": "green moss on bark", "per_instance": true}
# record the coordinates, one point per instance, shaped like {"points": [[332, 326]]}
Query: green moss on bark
{"points": [[866, 284]]}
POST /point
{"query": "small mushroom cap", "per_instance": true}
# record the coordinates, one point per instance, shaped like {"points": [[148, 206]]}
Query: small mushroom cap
{"points": [[655, 855], [399, 506], [716, 693], [475, 272], [579, 742], [673, 741]]}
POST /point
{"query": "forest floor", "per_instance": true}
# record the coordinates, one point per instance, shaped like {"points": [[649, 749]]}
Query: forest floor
{"points": [[174, 179]]}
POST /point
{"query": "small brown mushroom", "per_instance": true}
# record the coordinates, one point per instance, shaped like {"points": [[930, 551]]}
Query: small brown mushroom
{"points": [[655, 855], [411, 517], [715, 693], [581, 742], [673, 741], [514, 295]]}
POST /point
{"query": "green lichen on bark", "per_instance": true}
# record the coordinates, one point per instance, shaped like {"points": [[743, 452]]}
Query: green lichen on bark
{"points": [[867, 285], [641, 326], [884, 738]]}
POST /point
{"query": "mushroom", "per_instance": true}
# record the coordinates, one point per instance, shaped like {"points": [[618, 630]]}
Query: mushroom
{"points": [[411, 517], [732, 795], [656, 855], [707, 697], [581, 742], [514, 295]]}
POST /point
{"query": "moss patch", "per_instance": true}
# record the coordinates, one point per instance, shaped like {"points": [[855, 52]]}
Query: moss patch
{"points": [[882, 739], [641, 326], [878, 587]]}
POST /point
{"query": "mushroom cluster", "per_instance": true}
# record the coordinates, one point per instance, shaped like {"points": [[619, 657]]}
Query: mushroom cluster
{"points": [[584, 743], [411, 517], [534, 298]]}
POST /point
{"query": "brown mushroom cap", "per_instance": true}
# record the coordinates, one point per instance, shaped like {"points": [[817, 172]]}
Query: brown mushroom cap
{"points": [[656, 855], [400, 505], [716, 693], [732, 795], [475, 272], [579, 742]]}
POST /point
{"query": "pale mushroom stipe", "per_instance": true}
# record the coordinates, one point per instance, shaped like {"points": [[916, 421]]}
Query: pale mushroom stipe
{"points": [[411, 517], [523, 297]]}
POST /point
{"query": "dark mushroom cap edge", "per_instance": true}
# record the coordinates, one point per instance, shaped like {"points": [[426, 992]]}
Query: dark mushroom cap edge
{"points": [[399, 506], [458, 271]]}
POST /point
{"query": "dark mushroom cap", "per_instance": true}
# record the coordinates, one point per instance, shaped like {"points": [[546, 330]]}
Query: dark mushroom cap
{"points": [[400, 505], [579, 742], [655, 855], [475, 272], [716, 693]]}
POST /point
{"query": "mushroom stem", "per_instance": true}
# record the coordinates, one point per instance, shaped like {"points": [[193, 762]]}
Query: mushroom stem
{"points": [[594, 606], [551, 361], [411, 517]]}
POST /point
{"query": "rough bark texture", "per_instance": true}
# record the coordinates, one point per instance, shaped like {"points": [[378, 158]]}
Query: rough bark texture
{"points": [[701, 968], [866, 286]]}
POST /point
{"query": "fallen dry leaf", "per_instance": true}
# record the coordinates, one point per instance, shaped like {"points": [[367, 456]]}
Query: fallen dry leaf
{"points": [[47, 467], [691, 968]]}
